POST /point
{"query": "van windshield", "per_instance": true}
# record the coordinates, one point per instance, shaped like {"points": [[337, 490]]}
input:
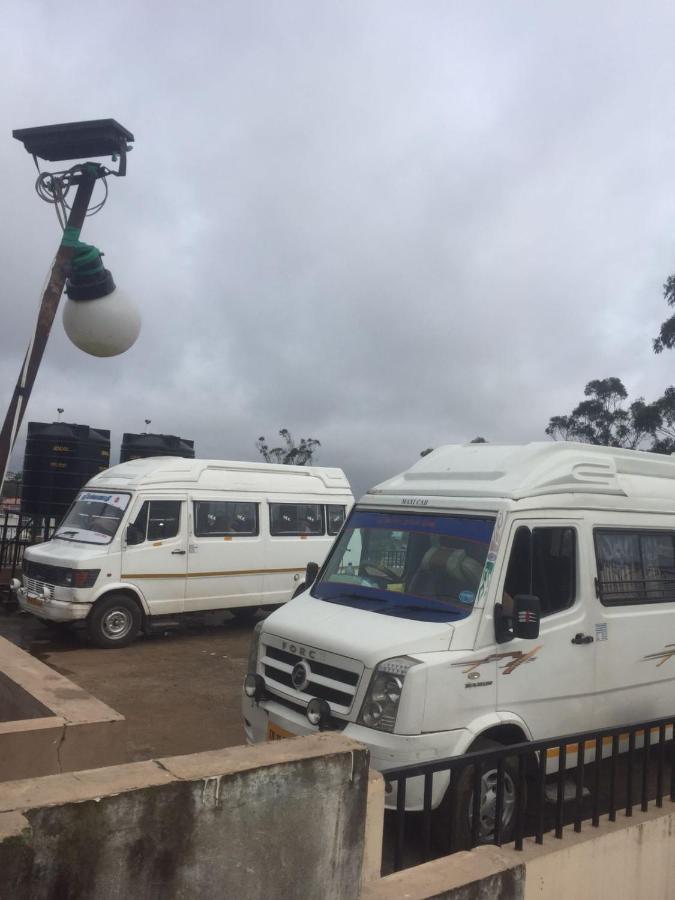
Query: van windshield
{"points": [[416, 566], [93, 518]]}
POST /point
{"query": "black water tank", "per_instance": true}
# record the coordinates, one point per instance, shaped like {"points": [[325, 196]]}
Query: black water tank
{"points": [[59, 459], [141, 446]]}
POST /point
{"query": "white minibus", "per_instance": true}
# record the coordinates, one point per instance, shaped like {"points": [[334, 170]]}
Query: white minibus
{"points": [[489, 595], [152, 539]]}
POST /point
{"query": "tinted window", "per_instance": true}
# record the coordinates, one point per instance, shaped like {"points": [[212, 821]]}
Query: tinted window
{"points": [[543, 563], [635, 567], [218, 518], [296, 518], [156, 521], [335, 516]]}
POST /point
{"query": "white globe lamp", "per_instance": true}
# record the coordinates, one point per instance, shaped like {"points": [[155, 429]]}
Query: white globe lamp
{"points": [[97, 317]]}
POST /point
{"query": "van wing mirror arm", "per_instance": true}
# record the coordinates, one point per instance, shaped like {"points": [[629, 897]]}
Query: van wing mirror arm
{"points": [[503, 625]]}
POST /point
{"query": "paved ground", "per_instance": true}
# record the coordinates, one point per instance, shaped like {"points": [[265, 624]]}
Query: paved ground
{"points": [[180, 692]]}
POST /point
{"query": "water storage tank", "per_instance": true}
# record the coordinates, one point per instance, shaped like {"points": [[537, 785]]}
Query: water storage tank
{"points": [[59, 459], [140, 446]]}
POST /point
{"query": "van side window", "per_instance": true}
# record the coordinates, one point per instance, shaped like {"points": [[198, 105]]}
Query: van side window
{"points": [[335, 516], [543, 563], [156, 520], [635, 566], [219, 518], [296, 518]]}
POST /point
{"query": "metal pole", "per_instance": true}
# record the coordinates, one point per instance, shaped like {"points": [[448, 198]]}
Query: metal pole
{"points": [[48, 308]]}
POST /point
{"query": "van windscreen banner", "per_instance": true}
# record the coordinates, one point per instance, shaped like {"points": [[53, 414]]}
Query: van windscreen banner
{"points": [[119, 501]]}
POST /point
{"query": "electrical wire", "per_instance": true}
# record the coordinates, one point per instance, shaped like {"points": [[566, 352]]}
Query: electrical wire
{"points": [[53, 187]]}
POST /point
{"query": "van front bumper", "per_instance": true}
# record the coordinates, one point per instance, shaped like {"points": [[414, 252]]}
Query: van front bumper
{"points": [[263, 720], [50, 608]]}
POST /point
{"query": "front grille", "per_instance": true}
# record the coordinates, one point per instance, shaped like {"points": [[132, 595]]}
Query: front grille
{"points": [[45, 573], [320, 668], [33, 586], [332, 678], [316, 690]]}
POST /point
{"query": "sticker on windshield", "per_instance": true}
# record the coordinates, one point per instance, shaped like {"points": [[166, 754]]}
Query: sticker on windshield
{"points": [[120, 501]]}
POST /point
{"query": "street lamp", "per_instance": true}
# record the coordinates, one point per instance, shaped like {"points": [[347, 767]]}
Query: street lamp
{"points": [[97, 318]]}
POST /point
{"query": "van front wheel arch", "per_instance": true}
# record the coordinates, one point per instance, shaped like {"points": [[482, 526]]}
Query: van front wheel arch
{"points": [[115, 621], [454, 815]]}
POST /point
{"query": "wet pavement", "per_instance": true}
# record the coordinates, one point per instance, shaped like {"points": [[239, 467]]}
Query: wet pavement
{"points": [[179, 691]]}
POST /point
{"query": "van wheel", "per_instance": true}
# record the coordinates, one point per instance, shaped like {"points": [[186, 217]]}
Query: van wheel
{"points": [[455, 813], [114, 621]]}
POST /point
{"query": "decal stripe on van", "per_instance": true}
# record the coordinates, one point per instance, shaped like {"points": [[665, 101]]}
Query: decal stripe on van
{"points": [[212, 574]]}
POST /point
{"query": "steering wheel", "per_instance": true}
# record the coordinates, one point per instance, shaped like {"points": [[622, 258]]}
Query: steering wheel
{"points": [[379, 572]]}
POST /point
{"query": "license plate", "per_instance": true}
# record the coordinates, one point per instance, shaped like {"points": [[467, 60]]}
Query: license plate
{"points": [[33, 601], [276, 733]]}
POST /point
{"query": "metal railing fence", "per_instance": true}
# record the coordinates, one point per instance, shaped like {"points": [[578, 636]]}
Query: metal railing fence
{"points": [[542, 764]]}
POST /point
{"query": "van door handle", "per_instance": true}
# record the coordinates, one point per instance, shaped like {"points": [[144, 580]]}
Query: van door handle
{"points": [[183, 552], [582, 638]]}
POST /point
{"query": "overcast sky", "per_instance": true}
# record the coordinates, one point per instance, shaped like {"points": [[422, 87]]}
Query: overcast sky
{"points": [[387, 225]]}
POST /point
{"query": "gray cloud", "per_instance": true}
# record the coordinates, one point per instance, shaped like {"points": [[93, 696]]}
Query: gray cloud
{"points": [[384, 225]]}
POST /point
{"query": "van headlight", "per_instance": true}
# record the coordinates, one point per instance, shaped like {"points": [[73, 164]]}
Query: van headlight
{"points": [[381, 702]]}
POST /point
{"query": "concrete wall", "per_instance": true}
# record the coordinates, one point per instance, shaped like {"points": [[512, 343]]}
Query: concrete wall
{"points": [[623, 860], [48, 724], [280, 820]]}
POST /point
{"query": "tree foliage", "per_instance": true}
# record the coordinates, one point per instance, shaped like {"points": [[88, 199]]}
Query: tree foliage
{"points": [[290, 453], [606, 418], [666, 336]]}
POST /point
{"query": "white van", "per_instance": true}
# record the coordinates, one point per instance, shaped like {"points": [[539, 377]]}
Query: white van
{"points": [[151, 539], [490, 594]]}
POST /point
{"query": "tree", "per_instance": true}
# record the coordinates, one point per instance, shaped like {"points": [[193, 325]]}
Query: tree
{"points": [[479, 440], [291, 454], [605, 419], [666, 336]]}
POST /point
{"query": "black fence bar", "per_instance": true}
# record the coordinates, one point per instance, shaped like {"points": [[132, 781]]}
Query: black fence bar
{"points": [[17, 532], [541, 791], [579, 787], [400, 829], [659, 766], [629, 773], [499, 802], [521, 799], [475, 806], [597, 764], [644, 802], [428, 784], [489, 812], [612, 778]]}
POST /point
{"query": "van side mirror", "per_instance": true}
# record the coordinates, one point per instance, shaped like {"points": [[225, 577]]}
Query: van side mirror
{"points": [[311, 572], [526, 616], [521, 620]]}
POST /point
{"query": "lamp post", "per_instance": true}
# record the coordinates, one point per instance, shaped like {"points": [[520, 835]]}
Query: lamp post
{"points": [[95, 319]]}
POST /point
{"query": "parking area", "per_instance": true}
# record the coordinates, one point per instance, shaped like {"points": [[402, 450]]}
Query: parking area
{"points": [[179, 691]]}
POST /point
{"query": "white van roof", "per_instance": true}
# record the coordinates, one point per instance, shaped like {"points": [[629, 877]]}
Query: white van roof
{"points": [[175, 473], [516, 472]]}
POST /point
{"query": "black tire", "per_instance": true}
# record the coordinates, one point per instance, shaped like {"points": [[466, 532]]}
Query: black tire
{"points": [[245, 615], [455, 814], [115, 621]]}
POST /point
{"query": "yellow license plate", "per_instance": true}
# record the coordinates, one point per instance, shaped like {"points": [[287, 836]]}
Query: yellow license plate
{"points": [[275, 733], [33, 601]]}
